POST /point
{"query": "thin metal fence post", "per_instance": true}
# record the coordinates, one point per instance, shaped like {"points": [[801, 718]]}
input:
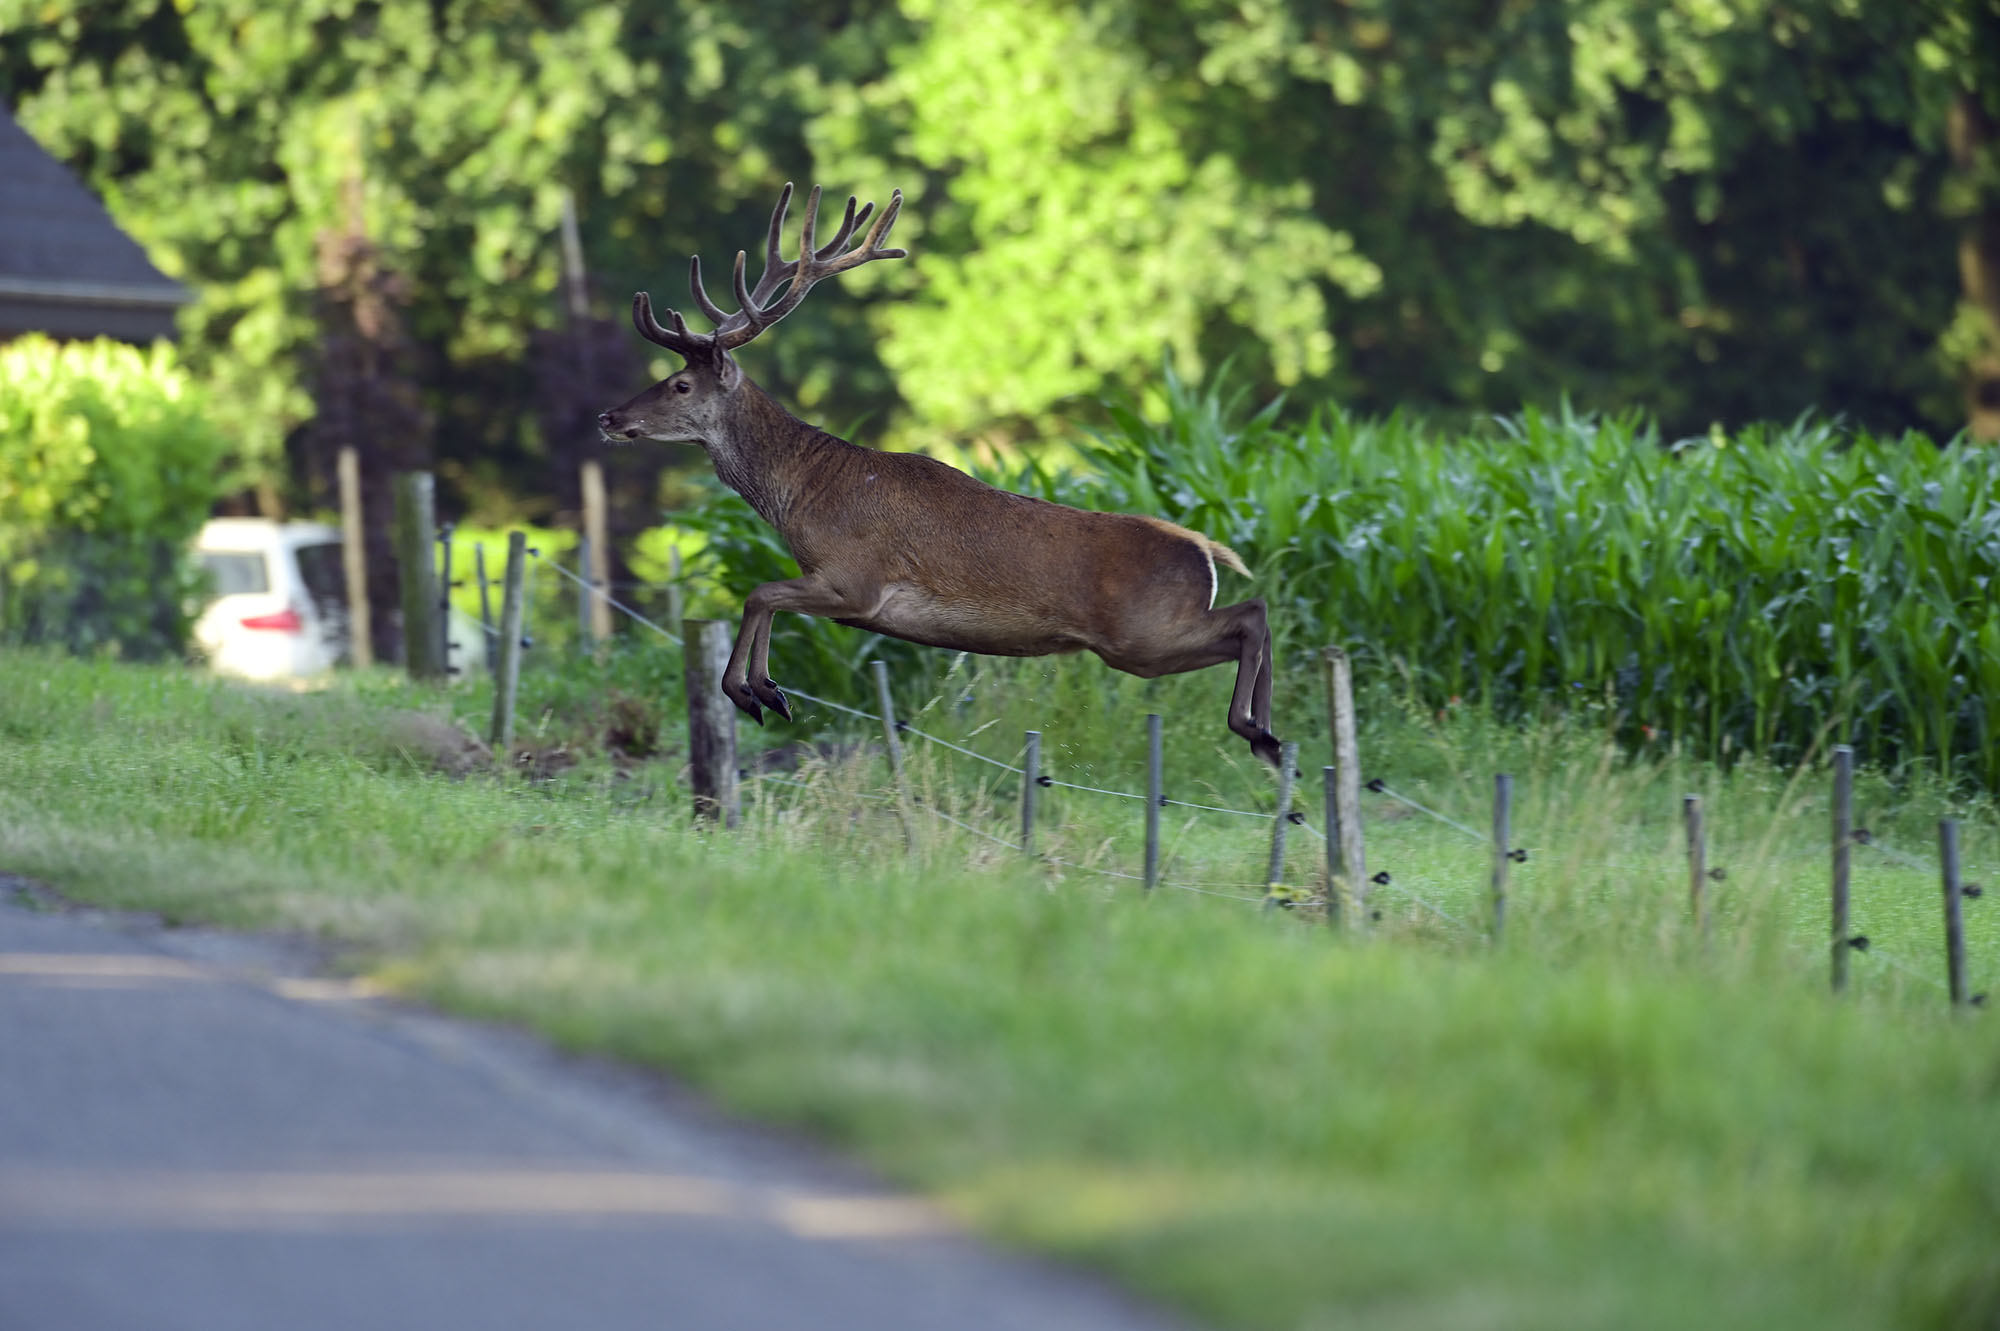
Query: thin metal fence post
{"points": [[1288, 766], [888, 706], [445, 644], [485, 609], [1031, 785], [1843, 844], [1156, 793], [1697, 839], [1503, 813], [711, 721], [507, 669], [1332, 848], [894, 747], [1954, 918]]}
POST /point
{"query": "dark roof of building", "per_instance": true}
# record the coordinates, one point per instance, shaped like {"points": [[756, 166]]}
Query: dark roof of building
{"points": [[60, 250]]}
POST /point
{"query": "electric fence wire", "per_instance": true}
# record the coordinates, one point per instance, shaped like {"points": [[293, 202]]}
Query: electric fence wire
{"points": [[1381, 787], [1092, 790], [1212, 808], [607, 597], [905, 728], [1906, 967], [1431, 906]]}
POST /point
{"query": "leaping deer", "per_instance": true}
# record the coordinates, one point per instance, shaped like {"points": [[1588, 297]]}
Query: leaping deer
{"points": [[904, 545]]}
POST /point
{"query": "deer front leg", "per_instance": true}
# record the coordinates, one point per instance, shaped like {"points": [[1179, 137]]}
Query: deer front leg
{"points": [[746, 681]]}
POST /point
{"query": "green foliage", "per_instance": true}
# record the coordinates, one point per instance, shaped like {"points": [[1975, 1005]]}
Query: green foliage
{"points": [[108, 466], [1448, 204]]}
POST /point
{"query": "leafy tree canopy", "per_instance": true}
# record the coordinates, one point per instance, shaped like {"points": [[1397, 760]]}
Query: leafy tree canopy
{"points": [[1715, 209]]}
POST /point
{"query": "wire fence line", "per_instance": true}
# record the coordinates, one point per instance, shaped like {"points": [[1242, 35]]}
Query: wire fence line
{"points": [[593, 589], [1381, 787], [1248, 893]]}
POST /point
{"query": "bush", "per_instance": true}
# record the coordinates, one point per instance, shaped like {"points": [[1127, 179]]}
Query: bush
{"points": [[107, 470], [1724, 592]]}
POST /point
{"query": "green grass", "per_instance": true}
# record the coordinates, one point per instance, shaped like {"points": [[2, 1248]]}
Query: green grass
{"points": [[1599, 1123]]}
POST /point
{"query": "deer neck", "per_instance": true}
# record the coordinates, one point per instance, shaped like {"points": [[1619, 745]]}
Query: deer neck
{"points": [[766, 454]]}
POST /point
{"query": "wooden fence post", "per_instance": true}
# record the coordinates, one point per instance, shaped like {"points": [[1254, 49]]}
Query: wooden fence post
{"points": [[596, 562], [1347, 773], [1954, 918], [1031, 782], [675, 601], [1155, 793], [1288, 763], [416, 536], [1843, 843], [1697, 839], [586, 626], [507, 643], [1503, 817], [711, 721], [354, 560]]}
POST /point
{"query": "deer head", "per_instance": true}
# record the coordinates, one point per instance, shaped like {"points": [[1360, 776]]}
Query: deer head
{"points": [[691, 405]]}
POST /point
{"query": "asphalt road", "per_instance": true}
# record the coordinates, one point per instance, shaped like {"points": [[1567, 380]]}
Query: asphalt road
{"points": [[195, 1132]]}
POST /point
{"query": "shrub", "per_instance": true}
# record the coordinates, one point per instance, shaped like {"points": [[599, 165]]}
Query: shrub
{"points": [[108, 467]]}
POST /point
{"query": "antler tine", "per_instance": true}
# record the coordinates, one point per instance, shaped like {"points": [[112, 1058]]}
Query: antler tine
{"points": [[675, 339], [748, 309], [880, 231], [811, 265], [776, 270], [772, 259], [847, 225], [708, 307]]}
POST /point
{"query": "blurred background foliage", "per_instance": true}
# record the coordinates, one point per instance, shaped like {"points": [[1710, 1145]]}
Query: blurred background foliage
{"points": [[1717, 210], [109, 463]]}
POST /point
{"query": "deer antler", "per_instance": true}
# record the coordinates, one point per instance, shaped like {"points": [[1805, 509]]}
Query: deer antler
{"points": [[757, 310]]}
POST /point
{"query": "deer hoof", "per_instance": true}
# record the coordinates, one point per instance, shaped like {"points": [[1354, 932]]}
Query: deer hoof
{"points": [[773, 697], [746, 702], [1265, 746]]}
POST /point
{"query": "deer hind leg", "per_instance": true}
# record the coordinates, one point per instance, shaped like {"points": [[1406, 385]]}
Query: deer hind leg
{"points": [[1239, 633], [1250, 704], [747, 681]]}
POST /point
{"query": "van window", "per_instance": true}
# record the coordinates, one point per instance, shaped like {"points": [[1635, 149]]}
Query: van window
{"points": [[325, 578], [233, 573]]}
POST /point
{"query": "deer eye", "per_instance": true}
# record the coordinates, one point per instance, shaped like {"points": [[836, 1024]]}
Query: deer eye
{"points": [[683, 386]]}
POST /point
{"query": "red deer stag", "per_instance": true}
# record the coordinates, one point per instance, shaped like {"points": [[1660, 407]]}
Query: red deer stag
{"points": [[904, 545]]}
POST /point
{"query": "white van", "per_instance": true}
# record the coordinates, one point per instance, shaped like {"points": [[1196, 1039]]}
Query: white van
{"points": [[280, 607]]}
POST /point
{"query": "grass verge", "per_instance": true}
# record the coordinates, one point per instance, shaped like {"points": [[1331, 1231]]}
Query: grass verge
{"points": [[1600, 1123]]}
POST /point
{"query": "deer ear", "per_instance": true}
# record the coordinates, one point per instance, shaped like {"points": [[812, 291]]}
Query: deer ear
{"points": [[728, 373]]}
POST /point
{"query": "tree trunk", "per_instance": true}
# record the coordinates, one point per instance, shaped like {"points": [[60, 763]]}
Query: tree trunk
{"points": [[1971, 134]]}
